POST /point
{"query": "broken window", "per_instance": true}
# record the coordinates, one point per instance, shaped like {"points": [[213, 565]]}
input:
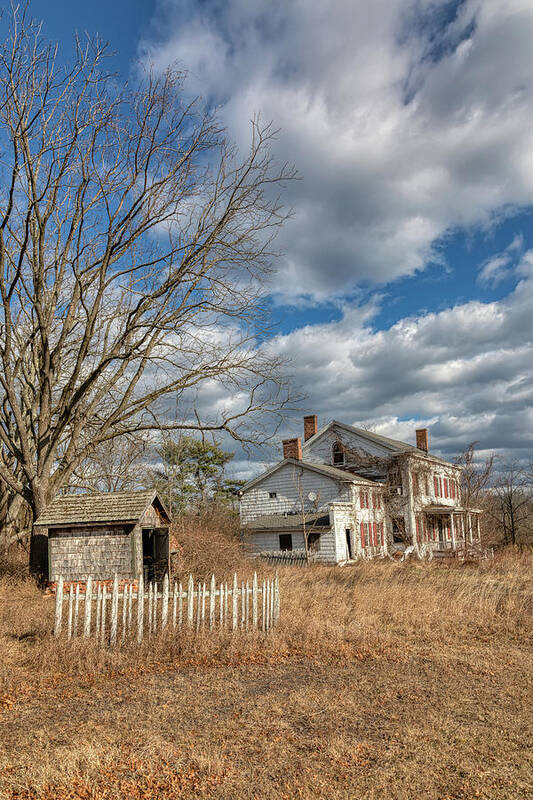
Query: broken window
{"points": [[285, 541], [338, 453]]}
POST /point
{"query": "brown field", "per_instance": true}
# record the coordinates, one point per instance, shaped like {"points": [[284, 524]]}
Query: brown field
{"points": [[383, 681]]}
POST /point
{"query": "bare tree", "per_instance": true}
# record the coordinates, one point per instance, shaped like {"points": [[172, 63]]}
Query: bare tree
{"points": [[510, 501], [115, 466], [134, 246], [475, 475]]}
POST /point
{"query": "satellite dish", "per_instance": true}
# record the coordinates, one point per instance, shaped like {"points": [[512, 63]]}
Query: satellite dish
{"points": [[311, 496]]}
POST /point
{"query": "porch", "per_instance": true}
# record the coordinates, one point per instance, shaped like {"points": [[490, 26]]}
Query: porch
{"points": [[449, 528]]}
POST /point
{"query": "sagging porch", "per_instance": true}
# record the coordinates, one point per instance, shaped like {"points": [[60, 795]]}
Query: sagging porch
{"points": [[444, 528]]}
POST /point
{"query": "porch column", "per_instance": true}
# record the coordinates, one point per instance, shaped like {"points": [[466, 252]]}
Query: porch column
{"points": [[477, 527], [452, 530], [470, 526]]}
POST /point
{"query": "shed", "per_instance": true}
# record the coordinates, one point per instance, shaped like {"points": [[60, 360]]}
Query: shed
{"points": [[100, 535]]}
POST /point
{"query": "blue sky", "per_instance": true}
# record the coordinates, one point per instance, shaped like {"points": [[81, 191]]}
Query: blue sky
{"points": [[403, 291]]}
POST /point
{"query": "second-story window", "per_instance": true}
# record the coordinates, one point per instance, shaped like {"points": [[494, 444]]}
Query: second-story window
{"points": [[272, 495], [337, 452]]}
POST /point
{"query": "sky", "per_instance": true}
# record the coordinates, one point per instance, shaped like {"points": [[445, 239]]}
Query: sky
{"points": [[404, 293]]}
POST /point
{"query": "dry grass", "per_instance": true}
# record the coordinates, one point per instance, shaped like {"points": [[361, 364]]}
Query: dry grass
{"points": [[383, 681]]}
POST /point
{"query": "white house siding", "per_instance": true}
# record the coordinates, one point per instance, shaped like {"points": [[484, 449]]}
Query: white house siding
{"points": [[256, 501], [268, 541], [343, 518], [320, 451]]}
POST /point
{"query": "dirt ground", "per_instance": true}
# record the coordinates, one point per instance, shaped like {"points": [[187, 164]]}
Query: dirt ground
{"points": [[399, 712]]}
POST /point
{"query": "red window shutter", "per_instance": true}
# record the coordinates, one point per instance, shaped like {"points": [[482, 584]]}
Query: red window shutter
{"points": [[362, 534], [381, 532], [445, 487], [375, 534], [436, 485], [417, 529]]}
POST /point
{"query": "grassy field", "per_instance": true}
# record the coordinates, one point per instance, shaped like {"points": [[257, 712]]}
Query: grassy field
{"points": [[383, 681]]}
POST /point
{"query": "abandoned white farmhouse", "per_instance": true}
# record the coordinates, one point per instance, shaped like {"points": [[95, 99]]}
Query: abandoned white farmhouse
{"points": [[356, 494]]}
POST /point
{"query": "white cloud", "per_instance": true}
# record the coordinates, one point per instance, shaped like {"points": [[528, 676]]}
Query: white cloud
{"points": [[402, 126], [495, 270]]}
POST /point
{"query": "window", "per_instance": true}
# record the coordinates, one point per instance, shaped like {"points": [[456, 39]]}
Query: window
{"points": [[436, 485], [272, 495], [363, 499], [313, 541], [338, 453], [445, 487], [285, 541], [416, 487], [398, 528]]}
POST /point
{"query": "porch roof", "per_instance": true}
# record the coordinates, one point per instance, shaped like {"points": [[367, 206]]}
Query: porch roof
{"points": [[435, 509], [318, 521]]}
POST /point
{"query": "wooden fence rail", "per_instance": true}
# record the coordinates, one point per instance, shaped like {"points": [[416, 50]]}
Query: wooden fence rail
{"points": [[245, 605]]}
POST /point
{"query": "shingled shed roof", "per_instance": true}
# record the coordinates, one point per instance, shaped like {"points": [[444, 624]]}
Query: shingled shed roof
{"points": [[71, 509], [319, 520]]}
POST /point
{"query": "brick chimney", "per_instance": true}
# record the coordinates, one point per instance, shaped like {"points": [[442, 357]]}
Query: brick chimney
{"points": [[310, 426], [422, 441], [292, 448]]}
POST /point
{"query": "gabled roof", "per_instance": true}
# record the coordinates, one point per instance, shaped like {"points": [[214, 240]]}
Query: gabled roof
{"points": [[72, 509], [316, 520], [393, 445], [324, 469]]}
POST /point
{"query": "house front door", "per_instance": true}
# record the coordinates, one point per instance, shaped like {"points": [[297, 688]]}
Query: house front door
{"points": [[442, 532]]}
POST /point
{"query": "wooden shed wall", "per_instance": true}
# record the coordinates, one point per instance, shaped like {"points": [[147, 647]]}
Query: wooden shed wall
{"points": [[100, 551]]}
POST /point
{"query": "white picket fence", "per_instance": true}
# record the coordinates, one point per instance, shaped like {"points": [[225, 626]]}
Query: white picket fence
{"points": [[244, 605], [293, 558]]}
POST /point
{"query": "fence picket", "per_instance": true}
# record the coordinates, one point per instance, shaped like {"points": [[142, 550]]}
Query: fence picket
{"points": [[180, 600], [130, 604], [114, 613], [98, 609], [198, 606], [221, 606], [226, 601], [263, 603], [140, 609], [103, 619], [76, 610], [174, 604], [124, 611], [235, 599], [70, 611], [246, 607], [212, 595], [190, 602], [88, 608], [150, 603], [164, 603], [154, 608], [204, 593], [59, 606], [254, 601]]}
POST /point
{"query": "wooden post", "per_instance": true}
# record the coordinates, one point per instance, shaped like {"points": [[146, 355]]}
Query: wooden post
{"points": [[59, 606], [221, 606], [242, 605], [174, 604], [88, 608], [180, 609], [263, 603], [268, 605], [150, 604], [271, 603], [114, 612], [140, 609], [254, 600], [246, 607], [204, 596], [76, 610], [102, 620], [212, 597], [235, 600], [164, 603], [190, 602], [70, 611]]}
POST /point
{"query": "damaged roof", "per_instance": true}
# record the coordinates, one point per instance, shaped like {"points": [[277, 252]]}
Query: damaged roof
{"points": [[71, 509]]}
